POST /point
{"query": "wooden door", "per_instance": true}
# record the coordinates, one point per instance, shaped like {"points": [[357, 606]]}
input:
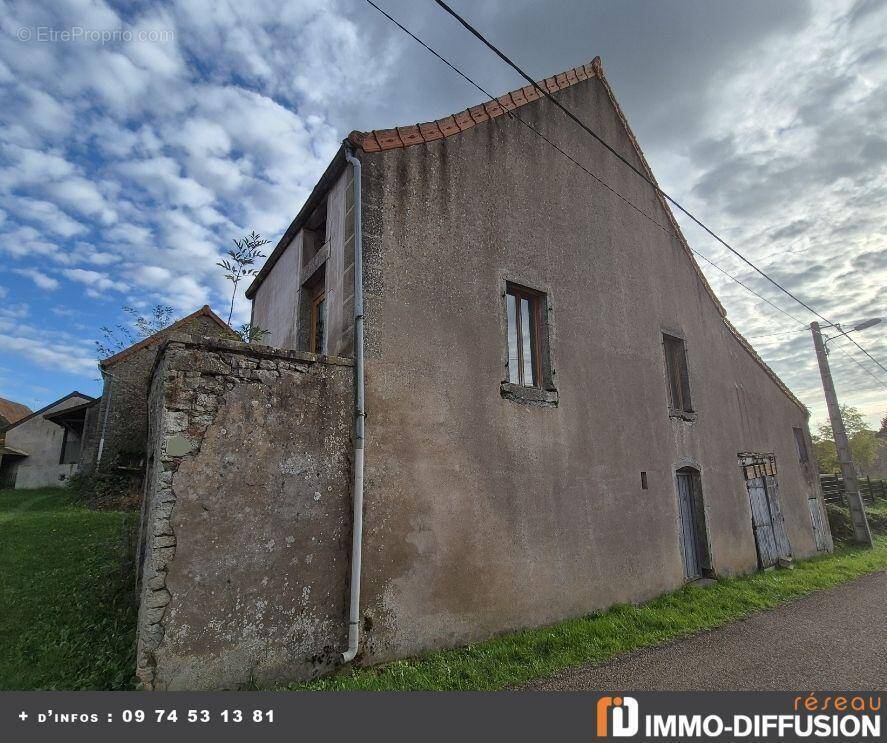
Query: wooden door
{"points": [[783, 548], [818, 521], [762, 523], [689, 530]]}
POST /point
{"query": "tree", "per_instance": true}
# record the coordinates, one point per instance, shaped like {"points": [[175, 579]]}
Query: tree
{"points": [[115, 339], [863, 444], [250, 333], [243, 258]]}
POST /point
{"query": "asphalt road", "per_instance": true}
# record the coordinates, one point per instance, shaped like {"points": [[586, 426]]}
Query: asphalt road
{"points": [[833, 639]]}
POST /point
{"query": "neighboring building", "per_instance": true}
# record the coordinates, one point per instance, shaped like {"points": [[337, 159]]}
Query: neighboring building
{"points": [[116, 433], [10, 412], [559, 415], [43, 449]]}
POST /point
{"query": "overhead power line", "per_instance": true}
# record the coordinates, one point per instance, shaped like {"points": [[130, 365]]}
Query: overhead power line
{"points": [[600, 181], [569, 157], [853, 341], [864, 368], [477, 34]]}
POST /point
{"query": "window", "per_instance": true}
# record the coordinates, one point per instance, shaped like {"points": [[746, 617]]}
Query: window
{"points": [[70, 453], [522, 308], [318, 307], [678, 378], [801, 445]]}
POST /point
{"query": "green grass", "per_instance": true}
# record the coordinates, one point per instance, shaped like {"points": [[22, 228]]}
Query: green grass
{"points": [[517, 658], [67, 611]]}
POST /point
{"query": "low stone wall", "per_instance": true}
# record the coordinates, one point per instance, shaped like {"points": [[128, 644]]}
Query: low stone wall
{"points": [[246, 521]]}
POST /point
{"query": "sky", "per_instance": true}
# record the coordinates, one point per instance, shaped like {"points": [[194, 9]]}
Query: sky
{"points": [[138, 140]]}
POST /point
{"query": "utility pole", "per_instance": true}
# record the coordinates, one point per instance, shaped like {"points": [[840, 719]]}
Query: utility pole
{"points": [[861, 532]]}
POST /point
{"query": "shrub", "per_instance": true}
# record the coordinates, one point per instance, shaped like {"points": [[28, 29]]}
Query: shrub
{"points": [[842, 528], [106, 490]]}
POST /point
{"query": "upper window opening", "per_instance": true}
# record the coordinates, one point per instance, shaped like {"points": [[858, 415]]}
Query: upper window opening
{"points": [[523, 308], [801, 445], [318, 321], [678, 377]]}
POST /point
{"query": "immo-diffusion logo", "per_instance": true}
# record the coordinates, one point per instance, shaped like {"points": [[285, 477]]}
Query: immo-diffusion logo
{"points": [[617, 716], [818, 715]]}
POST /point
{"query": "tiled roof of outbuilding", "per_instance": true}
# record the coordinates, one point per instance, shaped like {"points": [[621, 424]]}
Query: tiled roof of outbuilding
{"points": [[204, 311], [12, 411]]}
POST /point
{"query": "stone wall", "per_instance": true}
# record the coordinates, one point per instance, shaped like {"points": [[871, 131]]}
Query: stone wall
{"points": [[121, 418], [246, 522]]}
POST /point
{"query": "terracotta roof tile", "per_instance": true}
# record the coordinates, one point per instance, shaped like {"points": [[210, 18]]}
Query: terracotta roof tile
{"points": [[463, 120], [406, 136], [386, 139], [479, 114]]}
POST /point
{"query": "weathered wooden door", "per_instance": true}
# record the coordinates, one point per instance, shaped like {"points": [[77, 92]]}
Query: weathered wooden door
{"points": [[819, 528], [768, 523], [765, 540], [689, 530], [783, 548]]}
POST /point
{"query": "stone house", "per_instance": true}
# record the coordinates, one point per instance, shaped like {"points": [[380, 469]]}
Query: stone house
{"points": [[117, 432], [558, 414], [42, 450]]}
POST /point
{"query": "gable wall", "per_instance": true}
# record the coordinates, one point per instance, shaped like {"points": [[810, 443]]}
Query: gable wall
{"points": [[484, 514], [122, 415]]}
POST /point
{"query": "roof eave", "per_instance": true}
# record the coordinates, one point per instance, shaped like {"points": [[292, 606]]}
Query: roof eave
{"points": [[333, 170], [205, 311]]}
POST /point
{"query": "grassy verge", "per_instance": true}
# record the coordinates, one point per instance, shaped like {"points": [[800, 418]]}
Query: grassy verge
{"points": [[67, 614], [517, 658]]}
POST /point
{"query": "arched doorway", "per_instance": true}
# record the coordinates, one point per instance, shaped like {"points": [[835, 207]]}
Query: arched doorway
{"points": [[691, 513]]}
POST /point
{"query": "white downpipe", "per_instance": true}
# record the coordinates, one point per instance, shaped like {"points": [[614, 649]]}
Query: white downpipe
{"points": [[359, 415]]}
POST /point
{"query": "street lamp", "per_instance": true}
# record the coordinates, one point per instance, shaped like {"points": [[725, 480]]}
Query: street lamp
{"points": [[859, 326], [861, 532]]}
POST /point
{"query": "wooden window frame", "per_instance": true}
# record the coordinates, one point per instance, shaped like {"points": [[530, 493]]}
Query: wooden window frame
{"points": [[318, 297], [677, 371], [801, 445], [534, 299]]}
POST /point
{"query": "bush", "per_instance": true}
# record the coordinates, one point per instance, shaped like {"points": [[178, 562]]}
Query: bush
{"points": [[111, 490], [839, 523], [842, 528]]}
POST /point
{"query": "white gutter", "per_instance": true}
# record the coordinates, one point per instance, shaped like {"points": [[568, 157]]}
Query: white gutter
{"points": [[359, 415]]}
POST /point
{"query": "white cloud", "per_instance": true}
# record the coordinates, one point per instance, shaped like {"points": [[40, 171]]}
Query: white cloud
{"points": [[45, 214], [68, 358], [98, 282], [38, 277]]}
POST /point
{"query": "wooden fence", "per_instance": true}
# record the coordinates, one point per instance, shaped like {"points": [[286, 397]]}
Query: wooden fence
{"points": [[833, 489]]}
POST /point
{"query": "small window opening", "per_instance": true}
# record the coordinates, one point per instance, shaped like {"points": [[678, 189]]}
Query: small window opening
{"points": [[314, 234], [70, 452], [643, 480], [523, 309], [801, 445], [318, 321], [678, 377]]}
